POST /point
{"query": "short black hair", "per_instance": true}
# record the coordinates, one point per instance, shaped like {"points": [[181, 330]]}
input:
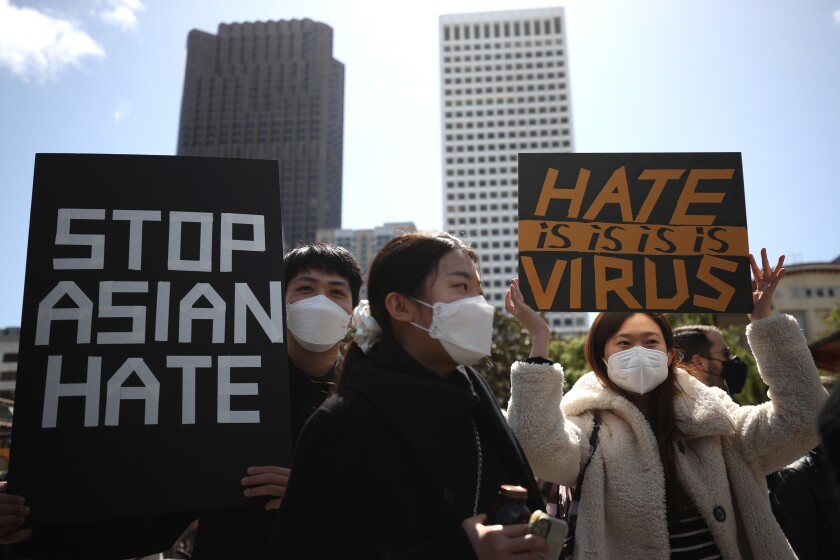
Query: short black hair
{"points": [[324, 257], [693, 339]]}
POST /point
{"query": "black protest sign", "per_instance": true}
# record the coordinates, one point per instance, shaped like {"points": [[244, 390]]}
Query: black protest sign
{"points": [[623, 232], [152, 368]]}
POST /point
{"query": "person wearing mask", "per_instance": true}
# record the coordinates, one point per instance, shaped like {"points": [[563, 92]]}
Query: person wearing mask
{"points": [[703, 350], [321, 283], [679, 467], [414, 446]]}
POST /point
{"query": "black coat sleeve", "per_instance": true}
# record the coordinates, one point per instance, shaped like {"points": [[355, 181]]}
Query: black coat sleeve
{"points": [[316, 514]]}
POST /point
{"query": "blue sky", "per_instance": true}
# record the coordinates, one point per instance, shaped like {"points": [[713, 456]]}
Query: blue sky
{"points": [[757, 77]]}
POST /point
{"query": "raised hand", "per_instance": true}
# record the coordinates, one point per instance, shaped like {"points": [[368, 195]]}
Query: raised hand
{"points": [[529, 319], [765, 280]]}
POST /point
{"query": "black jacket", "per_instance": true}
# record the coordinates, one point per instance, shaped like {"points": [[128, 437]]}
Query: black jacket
{"points": [[388, 467], [806, 508]]}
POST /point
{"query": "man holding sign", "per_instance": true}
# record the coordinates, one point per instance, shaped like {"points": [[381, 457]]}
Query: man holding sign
{"points": [[323, 288], [203, 382]]}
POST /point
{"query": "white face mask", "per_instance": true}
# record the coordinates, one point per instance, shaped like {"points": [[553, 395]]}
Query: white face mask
{"points": [[317, 323], [639, 370], [464, 328]]}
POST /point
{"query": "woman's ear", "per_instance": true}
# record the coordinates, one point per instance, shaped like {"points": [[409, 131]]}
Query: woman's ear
{"points": [[672, 353], [401, 308]]}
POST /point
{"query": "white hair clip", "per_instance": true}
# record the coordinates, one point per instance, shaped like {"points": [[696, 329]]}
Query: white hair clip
{"points": [[368, 331]]}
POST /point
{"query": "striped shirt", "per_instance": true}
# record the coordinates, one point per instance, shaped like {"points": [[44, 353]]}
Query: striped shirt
{"points": [[690, 539]]}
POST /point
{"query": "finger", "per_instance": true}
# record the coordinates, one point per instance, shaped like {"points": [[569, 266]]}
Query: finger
{"points": [[779, 265], [515, 530], [10, 522], [269, 469], [273, 504], [537, 543], [265, 490], [14, 509], [265, 479], [517, 295], [755, 270], [509, 303], [11, 499], [527, 543], [765, 263]]}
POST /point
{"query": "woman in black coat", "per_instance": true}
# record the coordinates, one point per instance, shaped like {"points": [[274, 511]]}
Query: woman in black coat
{"points": [[405, 460]]}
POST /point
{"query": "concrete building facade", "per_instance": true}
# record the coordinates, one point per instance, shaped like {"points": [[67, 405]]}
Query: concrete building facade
{"points": [[504, 90], [365, 243], [809, 291], [9, 342], [271, 90]]}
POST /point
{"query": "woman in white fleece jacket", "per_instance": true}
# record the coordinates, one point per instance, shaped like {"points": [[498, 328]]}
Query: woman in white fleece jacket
{"points": [[679, 469]]}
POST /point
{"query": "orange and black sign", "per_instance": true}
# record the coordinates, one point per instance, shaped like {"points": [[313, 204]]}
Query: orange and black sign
{"points": [[622, 232]]}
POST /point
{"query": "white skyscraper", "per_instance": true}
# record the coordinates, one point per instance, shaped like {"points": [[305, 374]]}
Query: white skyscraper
{"points": [[504, 90]]}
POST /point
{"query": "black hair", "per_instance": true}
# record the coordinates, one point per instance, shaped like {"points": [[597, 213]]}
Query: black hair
{"points": [[403, 265], [693, 339], [324, 257]]}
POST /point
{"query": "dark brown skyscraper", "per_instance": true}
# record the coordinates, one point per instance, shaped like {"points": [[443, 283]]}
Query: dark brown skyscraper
{"points": [[271, 90]]}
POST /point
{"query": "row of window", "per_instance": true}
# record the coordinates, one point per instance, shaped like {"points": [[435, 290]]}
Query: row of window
{"points": [[480, 220], [479, 159], [521, 133], [495, 68], [506, 46], [469, 68], [823, 291], [524, 28], [494, 232], [487, 170], [504, 89], [531, 109], [554, 144], [506, 77], [481, 194], [482, 208]]}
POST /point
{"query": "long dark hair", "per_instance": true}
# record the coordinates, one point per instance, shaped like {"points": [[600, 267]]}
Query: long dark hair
{"points": [[403, 265], [660, 411]]}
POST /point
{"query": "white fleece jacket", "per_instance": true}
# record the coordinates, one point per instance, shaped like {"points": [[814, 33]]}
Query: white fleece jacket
{"points": [[721, 463]]}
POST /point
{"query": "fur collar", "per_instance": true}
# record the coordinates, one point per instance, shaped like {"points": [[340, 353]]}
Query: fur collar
{"points": [[700, 410]]}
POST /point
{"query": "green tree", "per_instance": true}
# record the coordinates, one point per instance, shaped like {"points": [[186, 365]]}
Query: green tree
{"points": [[510, 343], [832, 320], [569, 352]]}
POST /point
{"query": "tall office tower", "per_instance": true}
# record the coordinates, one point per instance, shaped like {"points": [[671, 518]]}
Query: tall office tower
{"points": [[504, 90], [271, 90]]}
